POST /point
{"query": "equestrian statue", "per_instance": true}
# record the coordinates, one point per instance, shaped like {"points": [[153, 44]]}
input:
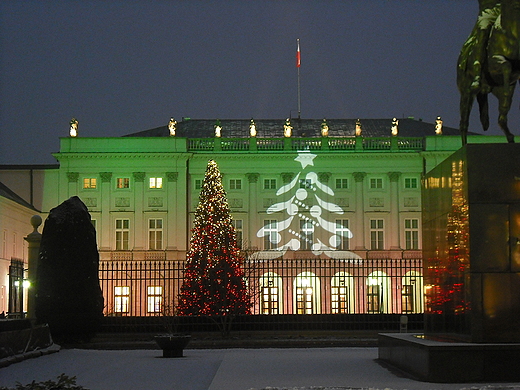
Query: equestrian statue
{"points": [[489, 62]]}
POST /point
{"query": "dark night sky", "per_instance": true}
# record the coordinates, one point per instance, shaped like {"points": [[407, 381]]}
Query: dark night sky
{"points": [[125, 66]]}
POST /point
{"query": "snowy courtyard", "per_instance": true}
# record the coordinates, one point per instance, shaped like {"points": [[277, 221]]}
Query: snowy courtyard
{"points": [[222, 369]]}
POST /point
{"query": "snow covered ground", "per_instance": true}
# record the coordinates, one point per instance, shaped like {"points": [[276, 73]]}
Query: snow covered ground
{"points": [[222, 369]]}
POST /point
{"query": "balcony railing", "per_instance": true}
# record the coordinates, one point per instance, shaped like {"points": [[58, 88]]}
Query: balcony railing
{"points": [[389, 144]]}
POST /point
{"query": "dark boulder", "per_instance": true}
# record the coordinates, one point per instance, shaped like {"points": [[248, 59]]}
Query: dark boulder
{"points": [[68, 295]]}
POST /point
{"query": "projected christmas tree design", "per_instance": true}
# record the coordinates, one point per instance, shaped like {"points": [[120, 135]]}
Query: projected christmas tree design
{"points": [[213, 280], [305, 213]]}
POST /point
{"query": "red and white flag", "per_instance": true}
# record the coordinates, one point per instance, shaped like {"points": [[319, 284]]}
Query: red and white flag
{"points": [[298, 58]]}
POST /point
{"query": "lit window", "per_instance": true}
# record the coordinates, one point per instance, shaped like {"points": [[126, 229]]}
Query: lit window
{"points": [[271, 234], [238, 223], [411, 182], [341, 183], [374, 298], [235, 184], [342, 234], [411, 233], [156, 182], [154, 303], [89, 183], [155, 234], [339, 294], [121, 299], [198, 184], [376, 234], [269, 184], [270, 295], [122, 234], [376, 183], [123, 182]]}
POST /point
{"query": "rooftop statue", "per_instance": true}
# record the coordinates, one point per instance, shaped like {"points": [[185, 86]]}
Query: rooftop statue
{"points": [[489, 62]]}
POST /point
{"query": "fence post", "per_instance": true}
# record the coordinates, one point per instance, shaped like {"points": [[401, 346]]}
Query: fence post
{"points": [[34, 240], [403, 321]]}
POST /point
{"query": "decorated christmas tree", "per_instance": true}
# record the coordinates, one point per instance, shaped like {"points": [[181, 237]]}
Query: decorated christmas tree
{"points": [[214, 282]]}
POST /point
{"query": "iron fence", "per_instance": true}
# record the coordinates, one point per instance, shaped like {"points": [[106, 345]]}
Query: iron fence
{"points": [[143, 288]]}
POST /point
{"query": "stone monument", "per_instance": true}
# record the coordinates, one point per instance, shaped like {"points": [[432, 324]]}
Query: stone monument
{"points": [[68, 295]]}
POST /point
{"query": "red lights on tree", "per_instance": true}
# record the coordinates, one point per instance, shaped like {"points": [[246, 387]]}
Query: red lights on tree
{"points": [[214, 282]]}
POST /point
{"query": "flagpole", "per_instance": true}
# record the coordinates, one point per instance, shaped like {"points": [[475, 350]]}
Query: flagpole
{"points": [[298, 68]]}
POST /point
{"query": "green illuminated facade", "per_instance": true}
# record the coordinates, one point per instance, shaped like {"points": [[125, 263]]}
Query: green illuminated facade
{"points": [[314, 191]]}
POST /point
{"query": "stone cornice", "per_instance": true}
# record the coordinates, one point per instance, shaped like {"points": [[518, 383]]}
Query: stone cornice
{"points": [[133, 156]]}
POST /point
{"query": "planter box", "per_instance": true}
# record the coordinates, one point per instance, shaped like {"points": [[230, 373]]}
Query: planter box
{"points": [[172, 345]]}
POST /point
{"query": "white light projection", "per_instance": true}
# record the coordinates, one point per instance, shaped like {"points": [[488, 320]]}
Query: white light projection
{"points": [[305, 216]]}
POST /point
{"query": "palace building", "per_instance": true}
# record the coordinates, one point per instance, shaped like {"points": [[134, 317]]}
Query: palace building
{"points": [[327, 212]]}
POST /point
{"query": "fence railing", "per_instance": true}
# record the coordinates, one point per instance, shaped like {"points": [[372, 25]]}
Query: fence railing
{"points": [[276, 286]]}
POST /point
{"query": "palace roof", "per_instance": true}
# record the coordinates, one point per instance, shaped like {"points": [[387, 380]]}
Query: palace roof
{"points": [[274, 128], [7, 193]]}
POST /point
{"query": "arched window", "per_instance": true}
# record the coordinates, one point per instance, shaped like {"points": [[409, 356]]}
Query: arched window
{"points": [[412, 300], [342, 293], [271, 293], [378, 293], [307, 293]]}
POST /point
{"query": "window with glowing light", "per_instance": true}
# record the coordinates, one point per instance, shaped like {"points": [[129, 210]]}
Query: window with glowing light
{"points": [[122, 234], [269, 184], [307, 293], [342, 233], [376, 183], [155, 234], [89, 183], [411, 233], [122, 182], [154, 299], [235, 184], [155, 182], [340, 293], [121, 299], [271, 286], [377, 234], [378, 292], [412, 293], [342, 184]]}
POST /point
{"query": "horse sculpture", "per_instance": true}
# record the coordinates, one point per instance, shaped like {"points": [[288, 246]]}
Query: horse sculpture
{"points": [[489, 62]]}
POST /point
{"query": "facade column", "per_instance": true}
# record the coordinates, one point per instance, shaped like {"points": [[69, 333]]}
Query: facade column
{"points": [[73, 183], [394, 241], [33, 239], [140, 228], [173, 210], [106, 228], [252, 217], [358, 224]]}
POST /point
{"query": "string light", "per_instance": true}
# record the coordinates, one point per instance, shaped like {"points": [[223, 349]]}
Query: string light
{"points": [[214, 282]]}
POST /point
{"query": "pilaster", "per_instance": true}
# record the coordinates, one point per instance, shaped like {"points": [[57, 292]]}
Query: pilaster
{"points": [[393, 230], [140, 229], [358, 225], [106, 188]]}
